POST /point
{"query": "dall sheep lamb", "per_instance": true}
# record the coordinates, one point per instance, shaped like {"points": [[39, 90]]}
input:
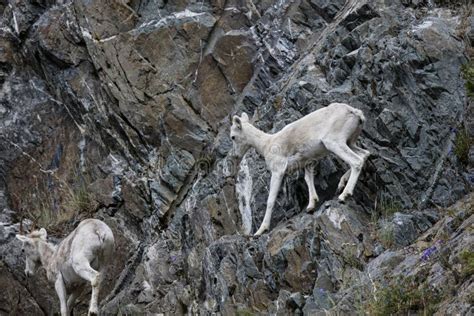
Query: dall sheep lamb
{"points": [[79, 259], [332, 129]]}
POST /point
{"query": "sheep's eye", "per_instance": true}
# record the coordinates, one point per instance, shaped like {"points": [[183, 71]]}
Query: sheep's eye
{"points": [[233, 137], [22, 250]]}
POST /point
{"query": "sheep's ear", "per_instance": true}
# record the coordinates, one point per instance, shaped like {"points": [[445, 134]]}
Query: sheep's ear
{"points": [[22, 238], [43, 233], [237, 121], [245, 117]]}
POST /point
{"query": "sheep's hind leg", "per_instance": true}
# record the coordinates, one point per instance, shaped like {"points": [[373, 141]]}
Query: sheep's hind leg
{"points": [[313, 196], [275, 183], [72, 300], [343, 181], [356, 162], [83, 268], [361, 152]]}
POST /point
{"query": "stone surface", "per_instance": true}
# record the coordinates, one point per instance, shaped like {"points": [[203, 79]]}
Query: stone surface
{"points": [[121, 111]]}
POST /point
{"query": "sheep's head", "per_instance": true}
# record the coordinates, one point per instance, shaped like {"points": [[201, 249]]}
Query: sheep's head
{"points": [[30, 249], [239, 139]]}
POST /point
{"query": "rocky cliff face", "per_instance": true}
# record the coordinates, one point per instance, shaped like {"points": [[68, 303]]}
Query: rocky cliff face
{"points": [[121, 110]]}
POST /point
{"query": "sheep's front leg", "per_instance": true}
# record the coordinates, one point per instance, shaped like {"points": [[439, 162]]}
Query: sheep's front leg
{"points": [[61, 291], [309, 178], [275, 183]]}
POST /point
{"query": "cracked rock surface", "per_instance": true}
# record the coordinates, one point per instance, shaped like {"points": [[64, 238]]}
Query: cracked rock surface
{"points": [[121, 110]]}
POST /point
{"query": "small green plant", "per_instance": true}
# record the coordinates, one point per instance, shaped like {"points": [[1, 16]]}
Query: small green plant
{"points": [[352, 261], [278, 102], [467, 262], [244, 312], [462, 144], [386, 235], [128, 310], [361, 291], [468, 74], [402, 296]]}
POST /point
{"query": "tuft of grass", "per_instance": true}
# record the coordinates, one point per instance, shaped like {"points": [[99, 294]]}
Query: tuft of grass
{"points": [[403, 296], [385, 207], [58, 215], [462, 144], [79, 200]]}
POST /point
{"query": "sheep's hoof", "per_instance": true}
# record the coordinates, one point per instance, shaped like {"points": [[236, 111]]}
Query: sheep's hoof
{"points": [[312, 205], [342, 198], [260, 231], [310, 208], [247, 236], [340, 188]]}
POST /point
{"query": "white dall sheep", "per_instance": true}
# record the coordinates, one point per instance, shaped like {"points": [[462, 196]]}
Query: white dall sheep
{"points": [[334, 128], [79, 259]]}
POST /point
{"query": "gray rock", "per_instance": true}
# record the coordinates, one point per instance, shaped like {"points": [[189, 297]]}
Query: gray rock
{"points": [[132, 103]]}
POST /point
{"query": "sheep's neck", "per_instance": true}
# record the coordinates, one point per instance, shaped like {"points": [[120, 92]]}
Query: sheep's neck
{"points": [[257, 139], [46, 252]]}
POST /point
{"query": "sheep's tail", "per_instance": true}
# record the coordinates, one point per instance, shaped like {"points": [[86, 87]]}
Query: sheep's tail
{"points": [[107, 248], [105, 237], [359, 114], [101, 235]]}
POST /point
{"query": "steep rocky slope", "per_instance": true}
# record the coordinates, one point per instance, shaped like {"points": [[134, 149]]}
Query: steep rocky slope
{"points": [[121, 111]]}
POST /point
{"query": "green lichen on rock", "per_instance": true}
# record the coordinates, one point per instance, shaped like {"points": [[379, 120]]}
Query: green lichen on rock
{"points": [[386, 234]]}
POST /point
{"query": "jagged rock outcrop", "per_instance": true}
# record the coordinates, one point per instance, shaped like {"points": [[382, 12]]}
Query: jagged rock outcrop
{"points": [[121, 110]]}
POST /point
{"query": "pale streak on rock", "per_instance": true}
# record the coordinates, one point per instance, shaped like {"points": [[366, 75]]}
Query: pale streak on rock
{"points": [[244, 192], [335, 217]]}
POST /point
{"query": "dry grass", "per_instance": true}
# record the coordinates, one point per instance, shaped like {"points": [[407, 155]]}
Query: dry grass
{"points": [[58, 207]]}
